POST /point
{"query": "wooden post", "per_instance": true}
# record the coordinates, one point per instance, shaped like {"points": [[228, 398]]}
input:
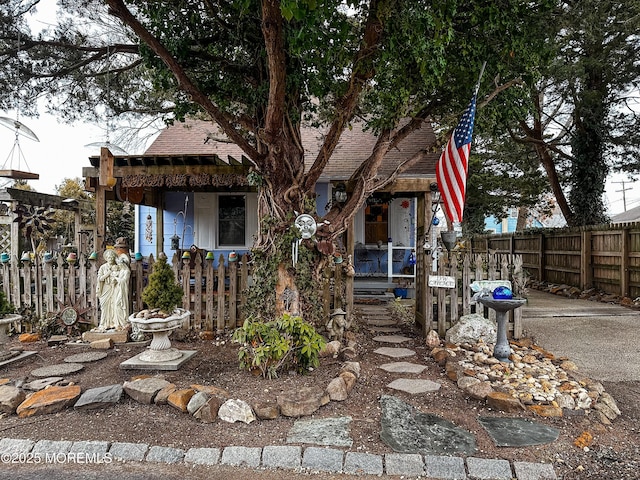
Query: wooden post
{"points": [[197, 292], [186, 285], [542, 276], [349, 284], [221, 274], [101, 219], [233, 294], [453, 298], [159, 230], [624, 262], [209, 296], [586, 271], [60, 283], [466, 284]]}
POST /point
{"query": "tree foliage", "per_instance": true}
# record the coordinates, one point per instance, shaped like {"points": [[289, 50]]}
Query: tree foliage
{"points": [[262, 69]]}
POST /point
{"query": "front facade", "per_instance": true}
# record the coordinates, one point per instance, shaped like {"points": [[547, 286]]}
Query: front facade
{"points": [[191, 190]]}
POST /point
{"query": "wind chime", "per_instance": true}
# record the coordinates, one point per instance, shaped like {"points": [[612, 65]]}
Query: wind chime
{"points": [[9, 170]]}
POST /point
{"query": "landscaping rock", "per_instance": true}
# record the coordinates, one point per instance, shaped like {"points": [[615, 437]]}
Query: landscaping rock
{"points": [[10, 398], [163, 395], [208, 413], [504, 402], [337, 390], [104, 344], [29, 337], [211, 390], [42, 383], [472, 329], [304, 401], [99, 397], [50, 400], [349, 380], [144, 390], [266, 410], [236, 411], [180, 398], [196, 402], [353, 367]]}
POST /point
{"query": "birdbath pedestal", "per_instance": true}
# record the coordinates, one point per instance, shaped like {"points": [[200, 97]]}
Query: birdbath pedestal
{"points": [[501, 351]]}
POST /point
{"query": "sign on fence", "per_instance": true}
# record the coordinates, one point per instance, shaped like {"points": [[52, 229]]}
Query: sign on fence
{"points": [[442, 281]]}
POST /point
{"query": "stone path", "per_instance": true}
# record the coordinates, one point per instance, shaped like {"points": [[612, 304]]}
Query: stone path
{"points": [[423, 443]]}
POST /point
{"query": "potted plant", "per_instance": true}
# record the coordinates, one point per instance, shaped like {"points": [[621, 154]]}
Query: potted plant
{"points": [[162, 296]]}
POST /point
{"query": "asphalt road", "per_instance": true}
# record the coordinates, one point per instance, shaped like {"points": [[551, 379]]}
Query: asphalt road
{"points": [[602, 339]]}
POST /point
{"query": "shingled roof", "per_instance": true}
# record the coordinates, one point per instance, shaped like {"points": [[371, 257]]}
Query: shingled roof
{"points": [[201, 138]]}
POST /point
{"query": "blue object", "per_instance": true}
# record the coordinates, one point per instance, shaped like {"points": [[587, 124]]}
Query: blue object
{"points": [[435, 221], [502, 293]]}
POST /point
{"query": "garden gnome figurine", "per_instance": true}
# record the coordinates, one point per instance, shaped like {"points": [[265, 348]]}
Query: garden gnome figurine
{"points": [[337, 323]]}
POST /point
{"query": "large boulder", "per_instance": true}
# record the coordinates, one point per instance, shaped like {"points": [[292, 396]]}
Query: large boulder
{"points": [[472, 329]]}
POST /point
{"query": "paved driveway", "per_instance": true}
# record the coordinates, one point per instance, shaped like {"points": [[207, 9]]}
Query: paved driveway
{"points": [[602, 339]]}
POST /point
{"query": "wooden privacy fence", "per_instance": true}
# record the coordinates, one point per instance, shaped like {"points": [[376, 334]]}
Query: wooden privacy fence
{"points": [[214, 296], [605, 257], [441, 307]]}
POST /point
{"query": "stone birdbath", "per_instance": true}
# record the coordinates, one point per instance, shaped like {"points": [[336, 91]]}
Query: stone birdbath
{"points": [[160, 349], [501, 351]]}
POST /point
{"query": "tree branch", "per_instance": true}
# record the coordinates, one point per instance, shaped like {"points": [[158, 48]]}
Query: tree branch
{"points": [[363, 71], [119, 9]]}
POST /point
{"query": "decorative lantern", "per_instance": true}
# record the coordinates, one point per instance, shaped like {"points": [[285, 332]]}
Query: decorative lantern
{"points": [[72, 257], [4, 257], [25, 257], [175, 242], [233, 257], [47, 257], [186, 255], [138, 257], [209, 256]]}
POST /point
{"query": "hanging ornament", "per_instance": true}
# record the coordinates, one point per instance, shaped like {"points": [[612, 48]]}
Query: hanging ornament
{"points": [[148, 229], [435, 221]]}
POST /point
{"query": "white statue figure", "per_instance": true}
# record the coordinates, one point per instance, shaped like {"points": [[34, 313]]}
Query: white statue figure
{"points": [[113, 291]]}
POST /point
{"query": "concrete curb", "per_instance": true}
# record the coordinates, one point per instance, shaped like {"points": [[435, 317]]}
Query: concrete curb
{"points": [[314, 459]]}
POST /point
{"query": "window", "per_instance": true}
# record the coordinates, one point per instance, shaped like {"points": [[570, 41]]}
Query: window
{"points": [[232, 213], [376, 220]]}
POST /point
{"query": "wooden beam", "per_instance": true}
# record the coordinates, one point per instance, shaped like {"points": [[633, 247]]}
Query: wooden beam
{"points": [[122, 171], [101, 219], [44, 200], [415, 185], [19, 175]]}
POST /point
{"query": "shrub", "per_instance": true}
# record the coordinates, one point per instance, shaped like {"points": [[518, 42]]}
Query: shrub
{"points": [[162, 291], [5, 305], [287, 343]]}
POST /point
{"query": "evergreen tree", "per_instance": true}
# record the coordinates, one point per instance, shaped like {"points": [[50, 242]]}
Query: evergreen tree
{"points": [[162, 291]]}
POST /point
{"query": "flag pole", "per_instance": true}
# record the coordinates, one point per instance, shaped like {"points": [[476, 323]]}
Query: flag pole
{"points": [[484, 64]]}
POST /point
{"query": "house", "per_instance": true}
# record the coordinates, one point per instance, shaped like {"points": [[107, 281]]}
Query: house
{"points": [[190, 188]]}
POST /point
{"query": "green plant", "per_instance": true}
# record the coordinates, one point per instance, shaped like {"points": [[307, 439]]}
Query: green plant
{"points": [[286, 343], [162, 291], [5, 305], [402, 312]]}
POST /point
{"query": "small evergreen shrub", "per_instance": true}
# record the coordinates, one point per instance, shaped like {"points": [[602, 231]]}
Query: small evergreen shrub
{"points": [[284, 344], [162, 291], [5, 305]]}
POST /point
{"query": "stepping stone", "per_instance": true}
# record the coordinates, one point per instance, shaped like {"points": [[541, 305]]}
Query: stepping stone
{"points": [[86, 357], [414, 386], [381, 322], [407, 430], [402, 367], [41, 384], [325, 431], [392, 339], [57, 370], [395, 352], [518, 432], [384, 329]]}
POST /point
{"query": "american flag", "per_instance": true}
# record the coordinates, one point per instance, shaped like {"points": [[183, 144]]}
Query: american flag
{"points": [[451, 170]]}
